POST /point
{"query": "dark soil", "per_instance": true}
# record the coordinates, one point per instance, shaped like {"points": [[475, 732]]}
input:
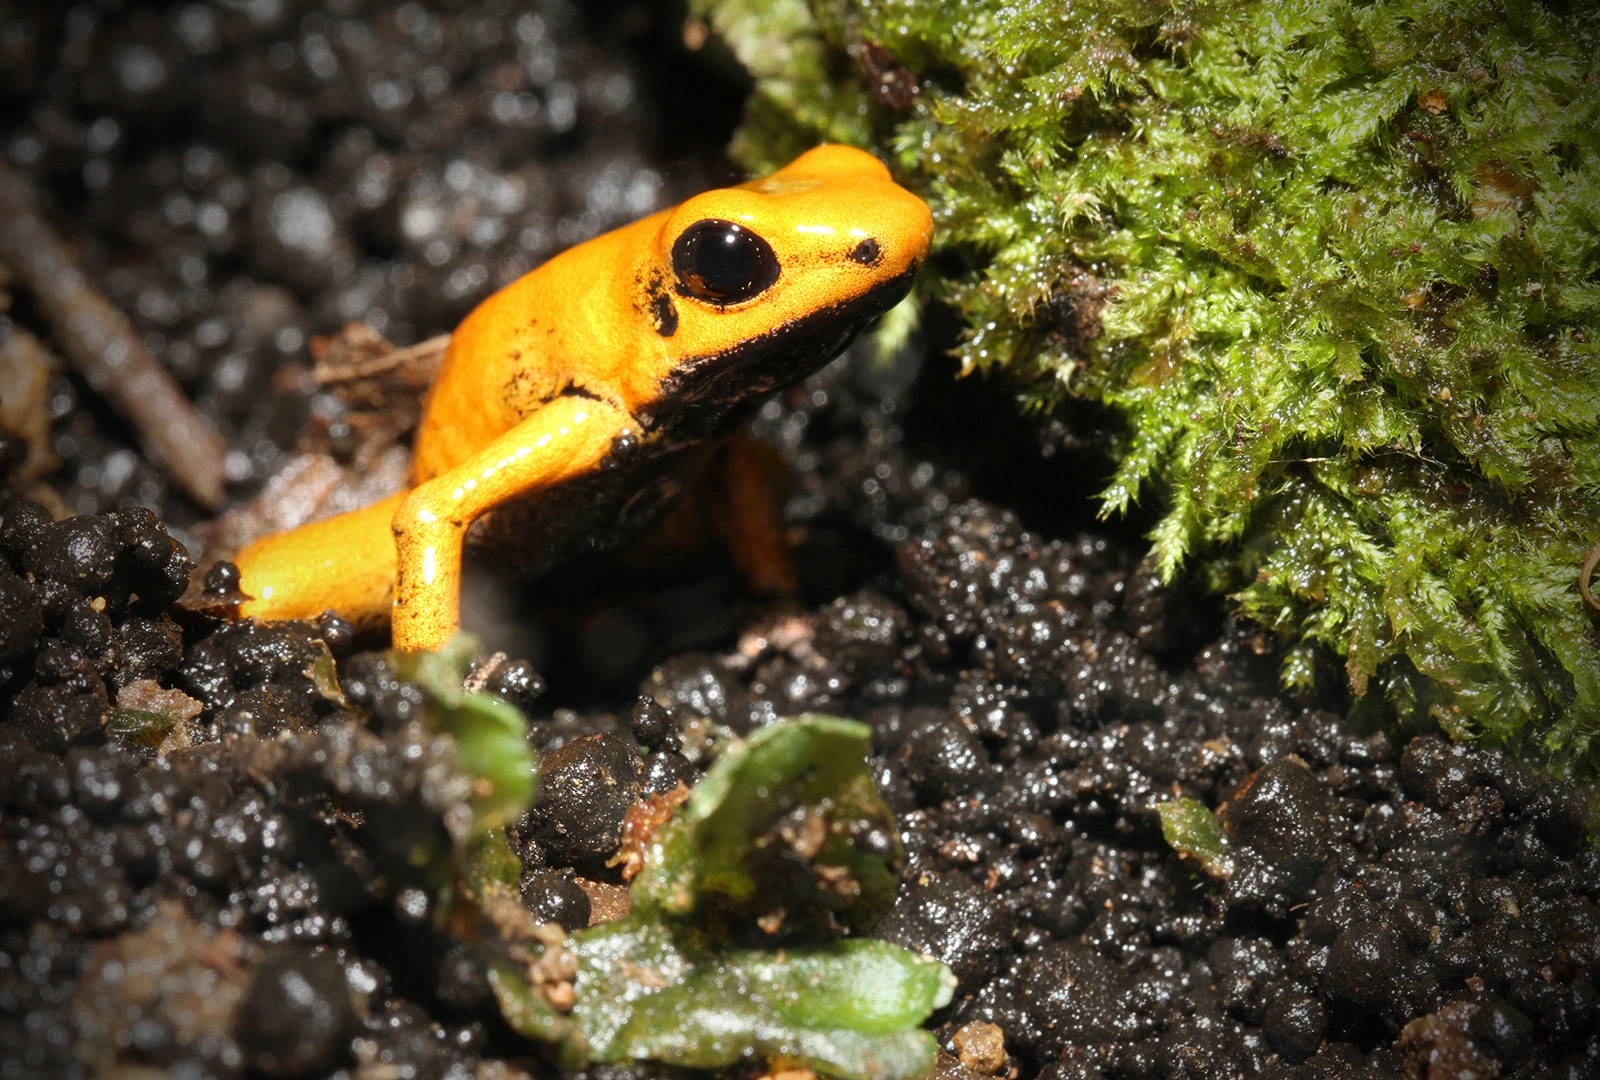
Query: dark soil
{"points": [[232, 895]]}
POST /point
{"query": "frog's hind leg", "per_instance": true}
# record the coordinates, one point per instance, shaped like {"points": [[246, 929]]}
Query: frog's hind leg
{"points": [[346, 563], [749, 478]]}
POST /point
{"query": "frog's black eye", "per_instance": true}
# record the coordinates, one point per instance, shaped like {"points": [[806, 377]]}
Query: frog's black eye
{"points": [[723, 262]]}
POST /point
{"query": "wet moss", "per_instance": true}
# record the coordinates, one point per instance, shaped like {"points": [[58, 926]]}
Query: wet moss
{"points": [[1332, 264]]}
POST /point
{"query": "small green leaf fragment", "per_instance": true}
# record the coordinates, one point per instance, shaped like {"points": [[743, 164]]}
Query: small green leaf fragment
{"points": [[850, 1009], [139, 726], [492, 740], [1298, 671], [895, 330], [1347, 361], [488, 863], [491, 736], [324, 675], [1191, 829], [440, 672]]}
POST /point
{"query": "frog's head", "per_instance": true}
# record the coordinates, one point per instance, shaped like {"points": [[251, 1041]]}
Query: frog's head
{"points": [[751, 288]]}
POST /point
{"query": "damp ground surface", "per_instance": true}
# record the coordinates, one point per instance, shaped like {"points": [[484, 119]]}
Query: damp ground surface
{"points": [[227, 894]]}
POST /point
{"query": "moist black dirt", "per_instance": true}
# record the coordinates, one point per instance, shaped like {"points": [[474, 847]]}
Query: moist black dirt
{"points": [[230, 893]]}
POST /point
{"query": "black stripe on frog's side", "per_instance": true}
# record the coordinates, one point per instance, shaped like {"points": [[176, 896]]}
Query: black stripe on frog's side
{"points": [[701, 397], [577, 390], [537, 532], [572, 389]]}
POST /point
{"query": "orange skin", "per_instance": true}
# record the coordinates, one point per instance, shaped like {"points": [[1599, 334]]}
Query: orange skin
{"points": [[603, 354]]}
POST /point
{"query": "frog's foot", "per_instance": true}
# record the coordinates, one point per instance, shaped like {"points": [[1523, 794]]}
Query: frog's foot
{"points": [[346, 563]]}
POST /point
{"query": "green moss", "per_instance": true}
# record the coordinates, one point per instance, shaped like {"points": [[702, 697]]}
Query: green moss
{"points": [[1334, 263]]}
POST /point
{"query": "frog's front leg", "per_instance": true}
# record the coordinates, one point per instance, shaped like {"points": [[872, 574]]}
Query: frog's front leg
{"points": [[564, 439]]}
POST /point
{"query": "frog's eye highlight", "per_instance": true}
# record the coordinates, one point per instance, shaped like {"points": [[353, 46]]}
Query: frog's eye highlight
{"points": [[723, 262]]}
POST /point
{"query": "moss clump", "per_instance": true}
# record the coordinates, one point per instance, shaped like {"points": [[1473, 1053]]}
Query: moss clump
{"points": [[1334, 263]]}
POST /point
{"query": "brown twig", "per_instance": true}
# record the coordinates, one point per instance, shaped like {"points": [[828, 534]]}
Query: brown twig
{"points": [[100, 342], [358, 352], [1585, 571]]}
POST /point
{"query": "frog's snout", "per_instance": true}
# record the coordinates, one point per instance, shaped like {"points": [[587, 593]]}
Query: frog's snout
{"points": [[899, 235], [893, 243], [839, 192]]}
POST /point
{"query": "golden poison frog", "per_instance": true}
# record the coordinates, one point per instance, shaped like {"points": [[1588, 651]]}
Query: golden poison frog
{"points": [[566, 398]]}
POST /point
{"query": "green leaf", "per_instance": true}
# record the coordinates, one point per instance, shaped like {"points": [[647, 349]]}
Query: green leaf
{"points": [[1191, 829], [488, 865], [850, 1009], [531, 1016], [896, 329], [492, 740], [787, 828], [324, 675], [491, 736], [788, 808], [139, 726]]}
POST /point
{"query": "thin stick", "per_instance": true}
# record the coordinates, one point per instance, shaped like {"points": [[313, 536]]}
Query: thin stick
{"points": [[101, 343], [1585, 569], [425, 354]]}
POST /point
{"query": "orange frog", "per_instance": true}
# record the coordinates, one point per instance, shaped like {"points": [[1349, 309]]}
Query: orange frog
{"points": [[568, 400]]}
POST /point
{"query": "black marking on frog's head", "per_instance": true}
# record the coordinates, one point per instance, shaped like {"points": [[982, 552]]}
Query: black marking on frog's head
{"points": [[657, 304], [665, 313], [868, 253]]}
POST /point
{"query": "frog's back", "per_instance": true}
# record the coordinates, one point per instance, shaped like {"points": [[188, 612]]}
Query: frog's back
{"points": [[565, 327]]}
